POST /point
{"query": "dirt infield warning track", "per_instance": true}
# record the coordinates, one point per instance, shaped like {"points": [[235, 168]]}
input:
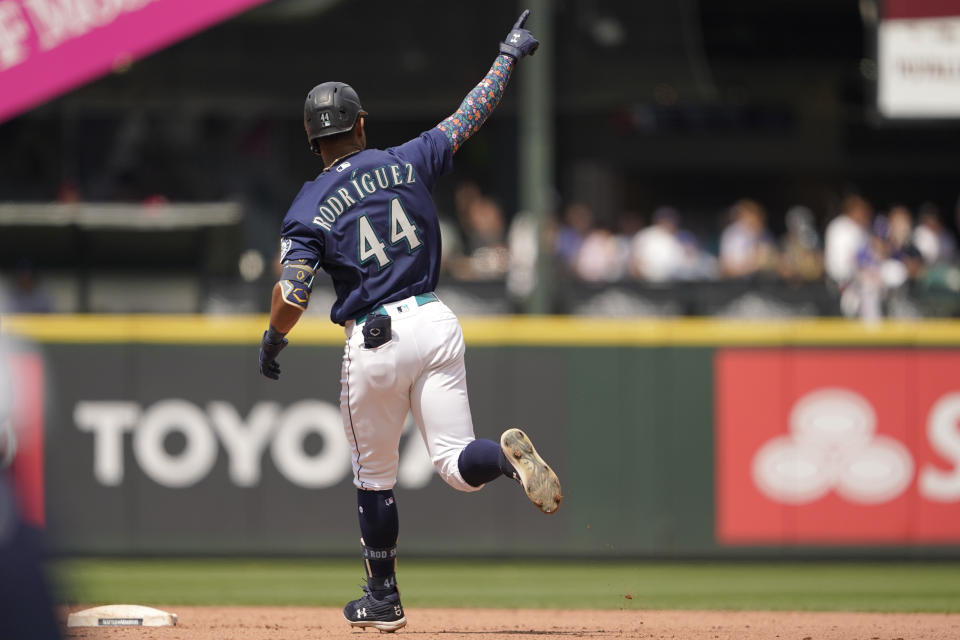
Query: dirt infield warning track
{"points": [[301, 623]]}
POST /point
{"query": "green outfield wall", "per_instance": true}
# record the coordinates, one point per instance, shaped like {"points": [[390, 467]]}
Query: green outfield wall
{"points": [[156, 434]]}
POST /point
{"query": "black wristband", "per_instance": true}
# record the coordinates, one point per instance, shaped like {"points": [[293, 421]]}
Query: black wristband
{"points": [[510, 50], [273, 336]]}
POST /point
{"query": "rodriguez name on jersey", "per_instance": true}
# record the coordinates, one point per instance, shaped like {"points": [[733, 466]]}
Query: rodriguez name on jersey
{"points": [[364, 184]]}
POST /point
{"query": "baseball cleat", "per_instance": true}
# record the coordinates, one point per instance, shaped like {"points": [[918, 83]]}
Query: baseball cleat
{"points": [[385, 615], [537, 478]]}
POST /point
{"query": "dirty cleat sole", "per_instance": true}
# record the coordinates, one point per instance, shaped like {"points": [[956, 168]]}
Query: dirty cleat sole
{"points": [[383, 627], [539, 481]]}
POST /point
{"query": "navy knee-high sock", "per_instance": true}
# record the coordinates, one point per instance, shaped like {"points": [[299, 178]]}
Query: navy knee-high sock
{"points": [[379, 528], [482, 461]]}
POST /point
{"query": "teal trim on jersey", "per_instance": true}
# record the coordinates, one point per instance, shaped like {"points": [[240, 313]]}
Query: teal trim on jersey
{"points": [[421, 299]]}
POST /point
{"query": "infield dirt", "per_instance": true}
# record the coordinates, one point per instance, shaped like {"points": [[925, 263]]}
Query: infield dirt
{"points": [[302, 623]]}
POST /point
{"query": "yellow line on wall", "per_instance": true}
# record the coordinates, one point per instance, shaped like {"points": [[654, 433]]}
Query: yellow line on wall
{"points": [[499, 330]]}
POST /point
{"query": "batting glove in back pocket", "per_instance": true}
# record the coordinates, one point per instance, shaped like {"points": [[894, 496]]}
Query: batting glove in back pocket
{"points": [[377, 331]]}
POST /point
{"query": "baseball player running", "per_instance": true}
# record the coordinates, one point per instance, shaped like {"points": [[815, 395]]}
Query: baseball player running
{"points": [[368, 220]]}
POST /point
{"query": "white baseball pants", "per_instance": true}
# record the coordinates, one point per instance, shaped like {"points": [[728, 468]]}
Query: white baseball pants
{"points": [[420, 369]]}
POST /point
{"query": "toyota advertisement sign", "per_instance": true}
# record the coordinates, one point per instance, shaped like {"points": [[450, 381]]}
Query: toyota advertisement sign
{"points": [[185, 448], [837, 446]]}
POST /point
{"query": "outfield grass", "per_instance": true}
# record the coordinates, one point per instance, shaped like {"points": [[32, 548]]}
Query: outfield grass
{"points": [[432, 583]]}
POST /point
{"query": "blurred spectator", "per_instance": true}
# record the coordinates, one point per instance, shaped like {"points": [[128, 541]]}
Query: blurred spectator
{"points": [[485, 224], [885, 265], [863, 296], [899, 238], [451, 243], [937, 246], [27, 296], [577, 224], [845, 236], [656, 254], [933, 240], [697, 263], [523, 240], [746, 247], [899, 227], [486, 237], [602, 257], [482, 220], [464, 195], [800, 254]]}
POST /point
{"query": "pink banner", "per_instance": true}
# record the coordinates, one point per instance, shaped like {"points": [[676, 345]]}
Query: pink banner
{"points": [[48, 47]]}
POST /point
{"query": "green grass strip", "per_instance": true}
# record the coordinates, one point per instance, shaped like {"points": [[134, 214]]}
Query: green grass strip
{"points": [[820, 586]]}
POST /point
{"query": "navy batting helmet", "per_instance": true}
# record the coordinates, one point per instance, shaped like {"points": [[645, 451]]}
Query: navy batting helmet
{"points": [[331, 108]]}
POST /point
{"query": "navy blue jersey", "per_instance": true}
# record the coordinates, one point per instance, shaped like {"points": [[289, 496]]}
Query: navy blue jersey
{"points": [[369, 221]]}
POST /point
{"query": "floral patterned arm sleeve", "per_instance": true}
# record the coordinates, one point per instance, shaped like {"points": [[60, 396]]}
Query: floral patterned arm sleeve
{"points": [[479, 103]]}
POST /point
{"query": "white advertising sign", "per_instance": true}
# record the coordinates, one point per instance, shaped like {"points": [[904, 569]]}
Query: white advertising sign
{"points": [[919, 68]]}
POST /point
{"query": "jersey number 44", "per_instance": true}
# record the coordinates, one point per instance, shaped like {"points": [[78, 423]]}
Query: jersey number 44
{"points": [[371, 247]]}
